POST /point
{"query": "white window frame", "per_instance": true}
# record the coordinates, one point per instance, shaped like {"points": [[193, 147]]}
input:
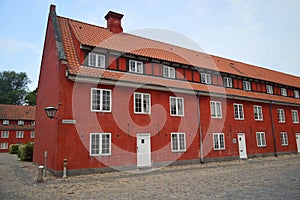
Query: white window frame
{"points": [[100, 101], [227, 82], [239, 110], [5, 122], [216, 109], [179, 147], [295, 116], [100, 145], [283, 91], [20, 122], [269, 89], [217, 141], [296, 94], [284, 139], [32, 122], [206, 78], [145, 108], [96, 60], [247, 85], [258, 113], [4, 145], [20, 134], [136, 66], [32, 134], [261, 139], [4, 134], [281, 115], [179, 111], [168, 72]]}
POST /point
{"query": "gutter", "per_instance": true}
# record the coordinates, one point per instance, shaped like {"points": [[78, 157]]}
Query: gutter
{"points": [[200, 129], [273, 128]]}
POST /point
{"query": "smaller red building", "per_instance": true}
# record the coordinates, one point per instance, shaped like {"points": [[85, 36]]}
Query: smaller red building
{"points": [[16, 125]]}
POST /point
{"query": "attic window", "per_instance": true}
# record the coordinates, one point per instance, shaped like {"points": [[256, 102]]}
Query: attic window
{"points": [[5, 122], [296, 94], [283, 92], [96, 60], [247, 85], [135, 66], [168, 72], [20, 122]]}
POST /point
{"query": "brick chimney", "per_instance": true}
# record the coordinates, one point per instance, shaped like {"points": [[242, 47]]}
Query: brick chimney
{"points": [[114, 22]]}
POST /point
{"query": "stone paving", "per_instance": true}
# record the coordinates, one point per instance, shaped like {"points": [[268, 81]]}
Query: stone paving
{"points": [[258, 178]]}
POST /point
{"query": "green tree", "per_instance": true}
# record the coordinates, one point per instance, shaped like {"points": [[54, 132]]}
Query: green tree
{"points": [[30, 99], [13, 87]]}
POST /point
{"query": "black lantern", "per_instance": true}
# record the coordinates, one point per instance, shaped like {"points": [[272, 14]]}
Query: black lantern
{"points": [[51, 111]]}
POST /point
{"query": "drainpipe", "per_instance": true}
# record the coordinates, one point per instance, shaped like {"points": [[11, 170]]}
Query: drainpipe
{"points": [[273, 128], [200, 130]]}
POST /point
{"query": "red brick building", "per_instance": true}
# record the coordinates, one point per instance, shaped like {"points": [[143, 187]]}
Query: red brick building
{"points": [[126, 101], [16, 125]]}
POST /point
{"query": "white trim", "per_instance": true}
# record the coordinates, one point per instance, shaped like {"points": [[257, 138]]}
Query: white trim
{"points": [[284, 139], [240, 113], [283, 91], [177, 99], [206, 78], [296, 94], [178, 142], [247, 85], [227, 82], [100, 64], [20, 122], [4, 145], [295, 116], [269, 89], [4, 134], [261, 139], [20, 134], [101, 100], [32, 134], [258, 110], [218, 145], [5, 122], [214, 109], [136, 66], [168, 72], [143, 95], [100, 145], [281, 115]]}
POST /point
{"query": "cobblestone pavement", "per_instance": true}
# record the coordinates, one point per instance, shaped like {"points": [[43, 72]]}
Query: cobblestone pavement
{"points": [[259, 178]]}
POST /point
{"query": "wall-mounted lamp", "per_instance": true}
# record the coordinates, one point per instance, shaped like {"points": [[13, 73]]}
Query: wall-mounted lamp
{"points": [[51, 111]]}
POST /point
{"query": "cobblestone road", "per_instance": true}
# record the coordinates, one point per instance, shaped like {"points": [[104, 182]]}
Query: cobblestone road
{"points": [[259, 178]]}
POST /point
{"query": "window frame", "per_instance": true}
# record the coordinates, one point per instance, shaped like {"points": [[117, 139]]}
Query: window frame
{"points": [[32, 134], [283, 92], [19, 134], [33, 122], [239, 117], [177, 110], [284, 139], [142, 103], [4, 134], [295, 116], [214, 109], [227, 82], [261, 141], [20, 122], [178, 142], [296, 94], [5, 122], [258, 113], [4, 145], [247, 86], [217, 141], [169, 72], [281, 115], [136, 66], [269, 89], [101, 106], [100, 145], [96, 64], [205, 78]]}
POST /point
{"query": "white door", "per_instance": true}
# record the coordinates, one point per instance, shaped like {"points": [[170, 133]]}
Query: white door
{"points": [[143, 150], [298, 141], [242, 146]]}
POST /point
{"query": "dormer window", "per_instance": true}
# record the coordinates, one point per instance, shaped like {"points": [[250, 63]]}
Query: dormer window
{"points": [[269, 89], [96, 60], [296, 94], [205, 78], [247, 85], [136, 66], [283, 92], [5, 122], [227, 82], [168, 72], [32, 122], [20, 122]]}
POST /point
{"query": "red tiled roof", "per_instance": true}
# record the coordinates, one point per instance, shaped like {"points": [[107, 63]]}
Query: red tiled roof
{"points": [[16, 127], [16, 112]]}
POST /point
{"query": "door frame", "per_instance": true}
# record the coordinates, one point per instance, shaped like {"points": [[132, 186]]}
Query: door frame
{"points": [[242, 135], [138, 155]]}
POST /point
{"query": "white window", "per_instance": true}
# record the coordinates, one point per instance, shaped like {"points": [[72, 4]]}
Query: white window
{"points": [[20, 122], [100, 100], [296, 94], [215, 109], [5, 122], [19, 134], [96, 60], [238, 111], [176, 106], [219, 141], [281, 116], [295, 116], [178, 142], [261, 139], [100, 144], [4, 134], [168, 72], [284, 139], [205, 78], [247, 85], [258, 114], [4, 145], [142, 103], [283, 92], [32, 134], [32, 122], [227, 82], [269, 89], [136, 66]]}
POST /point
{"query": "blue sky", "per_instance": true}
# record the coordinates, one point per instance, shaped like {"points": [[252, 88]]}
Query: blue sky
{"points": [[259, 32]]}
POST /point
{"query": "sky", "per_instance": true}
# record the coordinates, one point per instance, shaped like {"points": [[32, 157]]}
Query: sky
{"points": [[264, 33]]}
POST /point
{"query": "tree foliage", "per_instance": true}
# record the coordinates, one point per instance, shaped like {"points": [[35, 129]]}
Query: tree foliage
{"points": [[13, 87], [30, 99]]}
